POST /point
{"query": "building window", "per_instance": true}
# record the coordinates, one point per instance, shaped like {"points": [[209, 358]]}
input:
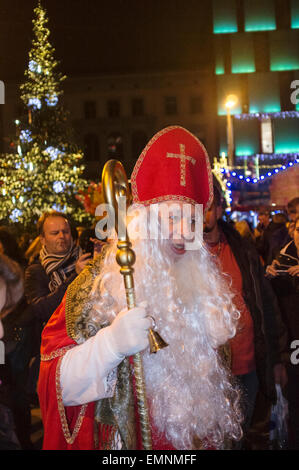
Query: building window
{"points": [[263, 93], [137, 107], [113, 108], [259, 15], [115, 145], [242, 53], [225, 16], [91, 147], [294, 14], [90, 110], [196, 104], [284, 50], [170, 105]]}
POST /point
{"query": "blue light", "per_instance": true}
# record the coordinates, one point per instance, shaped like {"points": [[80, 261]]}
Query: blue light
{"points": [[228, 184], [25, 136], [35, 103]]}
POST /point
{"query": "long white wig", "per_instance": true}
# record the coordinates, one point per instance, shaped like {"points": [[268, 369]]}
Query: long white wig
{"points": [[190, 390]]}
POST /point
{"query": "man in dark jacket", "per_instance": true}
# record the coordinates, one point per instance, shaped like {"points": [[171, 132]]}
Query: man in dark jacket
{"points": [[256, 352], [47, 279]]}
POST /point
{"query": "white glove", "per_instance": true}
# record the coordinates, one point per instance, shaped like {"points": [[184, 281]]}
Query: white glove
{"points": [[85, 368], [128, 333]]}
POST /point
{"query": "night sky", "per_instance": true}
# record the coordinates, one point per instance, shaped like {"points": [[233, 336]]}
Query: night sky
{"points": [[115, 36]]}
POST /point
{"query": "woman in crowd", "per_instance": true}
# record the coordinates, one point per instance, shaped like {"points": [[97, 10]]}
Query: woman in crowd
{"points": [[284, 272], [11, 292], [18, 340]]}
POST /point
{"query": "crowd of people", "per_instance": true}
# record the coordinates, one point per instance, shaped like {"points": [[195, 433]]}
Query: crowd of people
{"points": [[259, 320]]}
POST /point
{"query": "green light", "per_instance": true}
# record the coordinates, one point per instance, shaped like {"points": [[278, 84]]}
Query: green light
{"points": [[245, 152], [259, 15], [272, 109], [277, 67], [223, 112], [219, 70], [261, 27], [243, 69], [294, 149], [226, 29], [224, 16], [294, 14]]}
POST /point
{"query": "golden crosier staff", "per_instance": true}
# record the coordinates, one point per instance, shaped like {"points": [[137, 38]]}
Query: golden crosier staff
{"points": [[115, 185]]}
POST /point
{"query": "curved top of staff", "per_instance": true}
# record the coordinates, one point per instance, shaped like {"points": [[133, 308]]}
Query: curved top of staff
{"points": [[115, 185]]}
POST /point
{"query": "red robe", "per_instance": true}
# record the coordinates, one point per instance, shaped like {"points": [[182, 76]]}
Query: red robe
{"points": [[70, 427]]}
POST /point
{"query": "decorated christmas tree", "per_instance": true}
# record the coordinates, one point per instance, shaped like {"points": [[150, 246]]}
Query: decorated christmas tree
{"points": [[45, 171]]}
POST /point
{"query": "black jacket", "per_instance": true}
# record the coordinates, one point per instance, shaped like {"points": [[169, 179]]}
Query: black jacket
{"points": [[43, 302], [270, 337], [286, 288]]}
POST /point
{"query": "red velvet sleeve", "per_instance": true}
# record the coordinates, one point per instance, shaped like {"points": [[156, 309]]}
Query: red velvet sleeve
{"points": [[64, 427]]}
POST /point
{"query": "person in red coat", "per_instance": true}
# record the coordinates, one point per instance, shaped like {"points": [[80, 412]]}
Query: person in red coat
{"points": [[86, 383]]}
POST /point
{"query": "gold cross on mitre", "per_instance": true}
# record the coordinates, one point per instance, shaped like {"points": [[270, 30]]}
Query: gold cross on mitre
{"points": [[183, 159]]}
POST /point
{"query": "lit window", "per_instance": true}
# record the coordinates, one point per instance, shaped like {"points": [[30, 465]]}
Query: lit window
{"points": [[284, 50], [263, 93], [225, 18], [267, 136], [295, 14], [242, 53], [259, 15]]}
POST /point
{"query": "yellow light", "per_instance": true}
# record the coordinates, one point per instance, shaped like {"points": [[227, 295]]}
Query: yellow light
{"points": [[231, 101]]}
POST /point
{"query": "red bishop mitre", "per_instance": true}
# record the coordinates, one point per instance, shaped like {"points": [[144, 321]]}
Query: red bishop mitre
{"points": [[174, 165]]}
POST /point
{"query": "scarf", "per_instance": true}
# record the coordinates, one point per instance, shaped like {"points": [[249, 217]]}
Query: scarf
{"points": [[59, 267]]}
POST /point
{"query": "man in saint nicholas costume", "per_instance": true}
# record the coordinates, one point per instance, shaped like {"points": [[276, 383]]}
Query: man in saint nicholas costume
{"points": [[86, 384]]}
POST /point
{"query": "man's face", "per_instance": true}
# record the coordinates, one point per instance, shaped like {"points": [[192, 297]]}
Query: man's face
{"points": [[294, 213], [210, 219], [181, 225], [2, 293], [57, 237], [264, 219], [296, 235]]}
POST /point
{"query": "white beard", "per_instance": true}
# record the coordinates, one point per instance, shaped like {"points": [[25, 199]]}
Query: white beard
{"points": [[190, 392]]}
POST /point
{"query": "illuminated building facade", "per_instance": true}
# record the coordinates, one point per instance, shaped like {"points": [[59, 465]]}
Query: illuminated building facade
{"points": [[256, 51]]}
